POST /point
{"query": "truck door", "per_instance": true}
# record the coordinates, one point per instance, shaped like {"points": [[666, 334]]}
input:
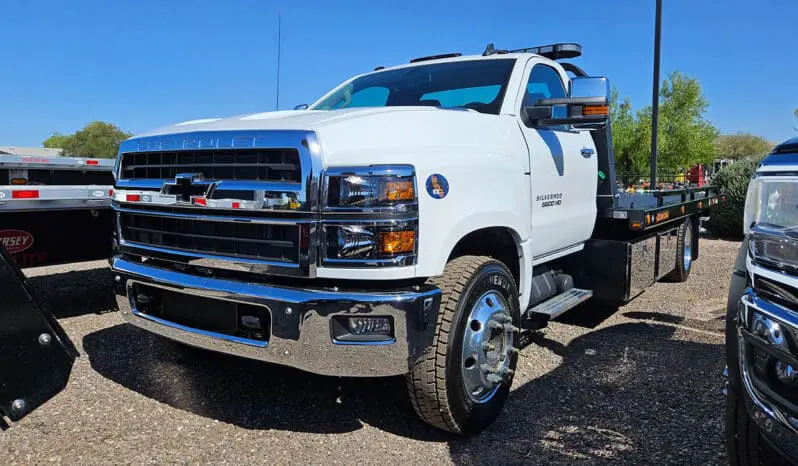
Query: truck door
{"points": [[563, 169], [35, 354]]}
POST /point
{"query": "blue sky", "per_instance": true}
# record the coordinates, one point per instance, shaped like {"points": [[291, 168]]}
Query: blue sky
{"points": [[142, 64]]}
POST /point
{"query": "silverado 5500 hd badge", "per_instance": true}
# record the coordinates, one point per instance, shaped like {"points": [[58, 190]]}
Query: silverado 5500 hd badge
{"points": [[550, 199]]}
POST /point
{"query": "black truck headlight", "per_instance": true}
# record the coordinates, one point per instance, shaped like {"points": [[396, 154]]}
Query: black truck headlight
{"points": [[370, 216], [369, 242], [771, 220], [370, 187]]}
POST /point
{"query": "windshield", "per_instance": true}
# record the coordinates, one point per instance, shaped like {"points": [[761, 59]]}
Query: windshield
{"points": [[475, 84]]}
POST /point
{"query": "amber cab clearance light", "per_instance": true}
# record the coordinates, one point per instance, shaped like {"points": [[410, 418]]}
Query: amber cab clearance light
{"points": [[595, 110]]}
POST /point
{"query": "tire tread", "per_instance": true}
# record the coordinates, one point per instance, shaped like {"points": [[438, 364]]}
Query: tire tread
{"points": [[426, 383]]}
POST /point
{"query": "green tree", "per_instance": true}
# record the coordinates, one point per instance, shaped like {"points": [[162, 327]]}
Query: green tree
{"points": [[685, 137], [726, 218], [56, 141], [96, 139], [629, 137], [741, 146]]}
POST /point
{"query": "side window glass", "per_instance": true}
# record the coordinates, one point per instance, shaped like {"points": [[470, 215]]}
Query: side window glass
{"points": [[544, 83]]}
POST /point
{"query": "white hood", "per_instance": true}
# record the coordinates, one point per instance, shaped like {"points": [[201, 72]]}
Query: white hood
{"points": [[280, 120], [369, 135]]}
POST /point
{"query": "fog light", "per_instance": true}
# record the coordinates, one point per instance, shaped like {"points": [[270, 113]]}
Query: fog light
{"points": [[370, 325], [769, 330]]}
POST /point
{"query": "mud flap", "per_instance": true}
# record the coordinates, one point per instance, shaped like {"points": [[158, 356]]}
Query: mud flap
{"points": [[36, 356]]}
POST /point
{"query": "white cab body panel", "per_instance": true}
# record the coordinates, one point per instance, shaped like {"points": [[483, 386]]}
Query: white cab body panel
{"points": [[499, 171]]}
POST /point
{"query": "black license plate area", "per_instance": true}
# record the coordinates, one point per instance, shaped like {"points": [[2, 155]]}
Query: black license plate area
{"points": [[200, 313], [207, 314]]}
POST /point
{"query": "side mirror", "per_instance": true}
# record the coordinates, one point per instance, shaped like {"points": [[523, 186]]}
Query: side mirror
{"points": [[586, 108], [301, 107]]}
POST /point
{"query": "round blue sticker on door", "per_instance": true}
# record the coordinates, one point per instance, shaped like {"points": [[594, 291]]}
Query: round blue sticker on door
{"points": [[437, 186]]}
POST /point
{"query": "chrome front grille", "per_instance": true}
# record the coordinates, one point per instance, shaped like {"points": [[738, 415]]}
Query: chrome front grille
{"points": [[220, 237], [280, 165], [234, 200]]}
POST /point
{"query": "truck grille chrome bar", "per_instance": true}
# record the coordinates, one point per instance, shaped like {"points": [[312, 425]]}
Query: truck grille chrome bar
{"points": [[250, 164], [277, 243], [234, 200]]}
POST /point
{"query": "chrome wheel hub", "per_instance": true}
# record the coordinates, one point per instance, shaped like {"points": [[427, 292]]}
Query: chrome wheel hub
{"points": [[487, 346], [688, 248]]}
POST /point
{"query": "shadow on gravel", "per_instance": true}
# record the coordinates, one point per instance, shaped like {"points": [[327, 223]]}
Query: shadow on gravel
{"points": [[627, 394], [75, 293], [251, 394]]}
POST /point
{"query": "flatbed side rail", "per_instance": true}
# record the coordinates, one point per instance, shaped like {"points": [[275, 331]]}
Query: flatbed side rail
{"points": [[63, 163], [36, 197], [648, 210]]}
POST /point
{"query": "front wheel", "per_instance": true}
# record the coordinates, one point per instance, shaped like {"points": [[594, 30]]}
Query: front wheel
{"points": [[462, 380], [745, 442]]}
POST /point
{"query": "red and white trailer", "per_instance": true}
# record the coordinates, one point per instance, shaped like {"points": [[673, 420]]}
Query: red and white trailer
{"points": [[55, 209]]}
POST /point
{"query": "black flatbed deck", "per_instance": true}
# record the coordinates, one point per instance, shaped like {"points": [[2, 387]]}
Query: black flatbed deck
{"points": [[651, 209]]}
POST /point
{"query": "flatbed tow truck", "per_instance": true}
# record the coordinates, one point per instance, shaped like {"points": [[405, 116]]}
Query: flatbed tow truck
{"points": [[411, 222], [55, 209]]}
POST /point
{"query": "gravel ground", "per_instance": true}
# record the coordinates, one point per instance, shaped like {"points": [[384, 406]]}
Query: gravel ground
{"points": [[640, 385]]}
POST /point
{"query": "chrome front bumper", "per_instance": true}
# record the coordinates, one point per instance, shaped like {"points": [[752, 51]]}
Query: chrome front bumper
{"points": [[765, 406], [301, 321]]}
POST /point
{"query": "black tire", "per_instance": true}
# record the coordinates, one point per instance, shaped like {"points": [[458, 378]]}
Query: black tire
{"points": [[745, 444], [685, 238], [435, 383]]}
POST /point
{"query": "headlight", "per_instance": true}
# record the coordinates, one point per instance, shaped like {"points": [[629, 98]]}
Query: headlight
{"points": [[377, 242], [771, 220], [771, 205], [370, 216], [382, 186]]}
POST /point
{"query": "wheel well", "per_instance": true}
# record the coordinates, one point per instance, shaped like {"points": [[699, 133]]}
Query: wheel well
{"points": [[496, 242]]}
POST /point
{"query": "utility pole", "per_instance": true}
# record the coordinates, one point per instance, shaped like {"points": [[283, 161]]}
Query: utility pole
{"points": [[655, 95], [277, 99]]}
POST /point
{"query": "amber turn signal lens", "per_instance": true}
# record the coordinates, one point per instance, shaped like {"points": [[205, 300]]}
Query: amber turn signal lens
{"points": [[595, 110], [398, 191], [19, 181], [395, 242]]}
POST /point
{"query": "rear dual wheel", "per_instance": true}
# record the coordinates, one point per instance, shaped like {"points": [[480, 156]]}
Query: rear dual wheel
{"points": [[685, 242], [461, 382]]}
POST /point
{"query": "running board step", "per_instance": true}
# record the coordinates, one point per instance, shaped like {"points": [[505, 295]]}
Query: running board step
{"points": [[556, 306]]}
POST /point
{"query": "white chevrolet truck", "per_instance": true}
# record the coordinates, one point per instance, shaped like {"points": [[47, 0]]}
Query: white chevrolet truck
{"points": [[412, 221], [762, 319]]}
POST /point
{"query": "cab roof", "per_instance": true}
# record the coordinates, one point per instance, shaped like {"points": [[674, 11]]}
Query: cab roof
{"points": [[790, 145], [552, 52]]}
